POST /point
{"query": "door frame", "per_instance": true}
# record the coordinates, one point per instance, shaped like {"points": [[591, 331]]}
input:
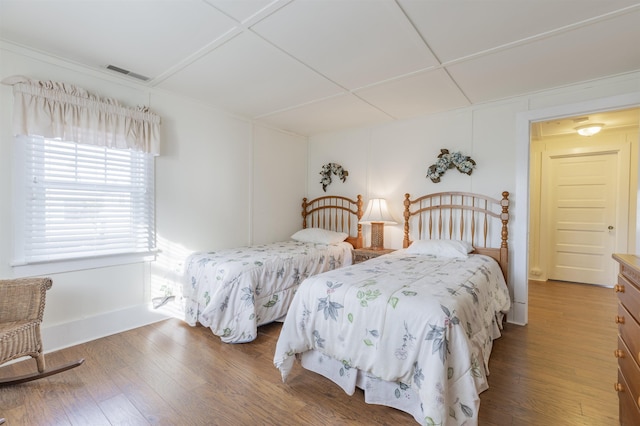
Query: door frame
{"points": [[520, 263], [621, 238]]}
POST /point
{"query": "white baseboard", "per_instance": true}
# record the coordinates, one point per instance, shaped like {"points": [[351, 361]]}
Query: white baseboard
{"points": [[518, 313], [72, 333]]}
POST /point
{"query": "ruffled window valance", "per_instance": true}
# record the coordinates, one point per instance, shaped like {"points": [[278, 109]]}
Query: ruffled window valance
{"points": [[58, 110]]}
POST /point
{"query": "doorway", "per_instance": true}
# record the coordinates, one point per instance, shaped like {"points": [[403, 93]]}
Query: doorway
{"points": [[580, 196], [522, 246], [585, 222]]}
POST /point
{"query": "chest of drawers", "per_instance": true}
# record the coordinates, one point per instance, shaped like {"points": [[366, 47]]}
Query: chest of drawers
{"points": [[628, 351]]}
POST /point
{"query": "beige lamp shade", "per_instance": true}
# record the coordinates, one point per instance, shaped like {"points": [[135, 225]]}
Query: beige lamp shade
{"points": [[377, 215]]}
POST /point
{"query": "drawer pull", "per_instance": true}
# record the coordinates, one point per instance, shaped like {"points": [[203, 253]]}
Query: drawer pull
{"points": [[618, 387], [619, 319], [618, 353], [618, 288]]}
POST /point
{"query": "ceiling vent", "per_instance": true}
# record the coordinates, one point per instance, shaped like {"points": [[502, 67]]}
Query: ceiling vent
{"points": [[128, 73]]}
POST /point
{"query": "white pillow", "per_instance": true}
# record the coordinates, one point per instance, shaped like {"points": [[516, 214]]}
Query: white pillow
{"points": [[441, 248], [319, 235]]}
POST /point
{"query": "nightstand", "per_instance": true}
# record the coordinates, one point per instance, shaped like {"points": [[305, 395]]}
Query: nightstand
{"points": [[362, 254]]}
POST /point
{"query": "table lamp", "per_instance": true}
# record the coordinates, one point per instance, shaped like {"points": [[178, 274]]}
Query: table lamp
{"points": [[376, 215]]}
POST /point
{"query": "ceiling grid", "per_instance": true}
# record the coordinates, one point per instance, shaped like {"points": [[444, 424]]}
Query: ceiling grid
{"points": [[312, 66]]}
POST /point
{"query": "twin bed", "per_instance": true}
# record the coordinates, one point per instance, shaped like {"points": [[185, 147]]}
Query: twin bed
{"points": [[414, 328], [234, 291]]}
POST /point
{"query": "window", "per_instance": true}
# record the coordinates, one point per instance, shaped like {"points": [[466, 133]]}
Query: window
{"points": [[83, 176], [77, 201]]}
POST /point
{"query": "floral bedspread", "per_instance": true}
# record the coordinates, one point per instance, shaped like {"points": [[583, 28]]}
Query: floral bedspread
{"points": [[233, 291], [427, 323]]}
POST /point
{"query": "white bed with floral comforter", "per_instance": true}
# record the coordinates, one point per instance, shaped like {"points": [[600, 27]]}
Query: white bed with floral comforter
{"points": [[233, 291], [414, 331]]}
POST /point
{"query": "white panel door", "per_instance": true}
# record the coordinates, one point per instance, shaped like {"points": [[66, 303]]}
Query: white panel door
{"points": [[581, 209]]}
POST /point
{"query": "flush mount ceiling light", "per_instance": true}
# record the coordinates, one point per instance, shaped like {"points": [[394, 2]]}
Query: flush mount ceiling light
{"points": [[589, 129]]}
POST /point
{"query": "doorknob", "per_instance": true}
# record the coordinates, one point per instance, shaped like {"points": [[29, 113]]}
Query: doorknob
{"points": [[610, 228]]}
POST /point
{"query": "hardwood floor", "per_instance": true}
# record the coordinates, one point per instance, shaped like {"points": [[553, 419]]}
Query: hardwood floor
{"points": [[558, 370]]}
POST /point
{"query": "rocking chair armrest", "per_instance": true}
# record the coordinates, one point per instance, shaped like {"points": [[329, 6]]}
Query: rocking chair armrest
{"points": [[23, 299]]}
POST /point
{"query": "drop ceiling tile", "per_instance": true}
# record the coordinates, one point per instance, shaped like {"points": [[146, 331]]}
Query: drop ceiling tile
{"points": [[458, 28], [423, 93], [605, 48], [248, 76], [141, 36], [354, 43], [340, 112]]}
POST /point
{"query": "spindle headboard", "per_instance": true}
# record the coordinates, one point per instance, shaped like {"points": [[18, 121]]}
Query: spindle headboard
{"points": [[335, 213], [476, 218]]}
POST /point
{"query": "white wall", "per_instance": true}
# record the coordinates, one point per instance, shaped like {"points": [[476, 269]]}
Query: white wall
{"points": [[283, 159], [212, 182], [392, 159]]}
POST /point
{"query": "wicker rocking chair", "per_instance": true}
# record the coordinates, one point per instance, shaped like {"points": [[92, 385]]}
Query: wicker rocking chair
{"points": [[21, 311]]}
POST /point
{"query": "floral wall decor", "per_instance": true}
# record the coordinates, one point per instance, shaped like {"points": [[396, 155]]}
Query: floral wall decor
{"points": [[332, 168], [447, 161]]}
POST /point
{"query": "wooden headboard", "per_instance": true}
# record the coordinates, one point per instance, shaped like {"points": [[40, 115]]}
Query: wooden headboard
{"points": [[461, 216], [335, 213]]}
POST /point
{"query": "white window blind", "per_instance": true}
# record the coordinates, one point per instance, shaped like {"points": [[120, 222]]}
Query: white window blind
{"points": [[79, 201]]}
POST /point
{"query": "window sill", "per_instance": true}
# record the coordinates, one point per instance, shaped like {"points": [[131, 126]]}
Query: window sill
{"points": [[61, 266]]}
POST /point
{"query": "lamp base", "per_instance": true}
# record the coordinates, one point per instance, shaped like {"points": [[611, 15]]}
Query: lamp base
{"points": [[377, 235]]}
